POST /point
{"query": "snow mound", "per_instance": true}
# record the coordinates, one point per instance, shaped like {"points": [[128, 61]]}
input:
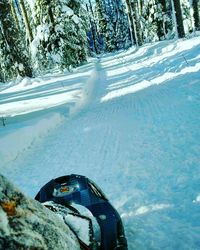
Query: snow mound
{"points": [[26, 224], [31, 134]]}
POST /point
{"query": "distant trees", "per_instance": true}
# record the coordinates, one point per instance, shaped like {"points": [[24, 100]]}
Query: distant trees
{"points": [[154, 20], [112, 24], [55, 31], [63, 33], [93, 37], [162, 19], [148, 20]]}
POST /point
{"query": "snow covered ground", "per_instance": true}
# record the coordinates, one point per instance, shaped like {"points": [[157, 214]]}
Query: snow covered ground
{"points": [[129, 121]]}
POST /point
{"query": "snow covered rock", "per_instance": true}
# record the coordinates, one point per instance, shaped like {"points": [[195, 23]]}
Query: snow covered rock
{"points": [[26, 224]]}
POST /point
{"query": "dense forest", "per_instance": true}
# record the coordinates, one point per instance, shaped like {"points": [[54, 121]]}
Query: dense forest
{"points": [[39, 35]]}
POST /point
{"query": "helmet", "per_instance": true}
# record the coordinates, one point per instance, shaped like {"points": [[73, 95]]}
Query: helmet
{"points": [[73, 190]]}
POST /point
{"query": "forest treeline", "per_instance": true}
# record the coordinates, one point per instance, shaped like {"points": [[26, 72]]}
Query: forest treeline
{"points": [[38, 35]]}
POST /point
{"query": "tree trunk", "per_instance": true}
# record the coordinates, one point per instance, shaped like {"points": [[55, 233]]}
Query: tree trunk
{"points": [[50, 12], [161, 22], [14, 13], [92, 29], [136, 19], [131, 22], [101, 13], [195, 6], [26, 21], [179, 18]]}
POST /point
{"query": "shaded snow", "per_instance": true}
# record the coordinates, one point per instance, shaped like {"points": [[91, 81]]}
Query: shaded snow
{"points": [[16, 141], [31, 97]]}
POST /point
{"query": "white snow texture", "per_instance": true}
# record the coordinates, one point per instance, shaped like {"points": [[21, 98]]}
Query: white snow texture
{"points": [[130, 122]]}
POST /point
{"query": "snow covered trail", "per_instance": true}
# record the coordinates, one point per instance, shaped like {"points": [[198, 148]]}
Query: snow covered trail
{"points": [[138, 138]]}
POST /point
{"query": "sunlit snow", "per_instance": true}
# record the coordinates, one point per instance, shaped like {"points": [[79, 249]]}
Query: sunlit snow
{"points": [[130, 122]]}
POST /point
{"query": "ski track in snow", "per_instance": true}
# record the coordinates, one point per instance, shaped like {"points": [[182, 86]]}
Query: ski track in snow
{"points": [[141, 148]]}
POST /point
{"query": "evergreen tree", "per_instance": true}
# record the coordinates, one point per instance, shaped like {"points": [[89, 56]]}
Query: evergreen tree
{"points": [[13, 57], [113, 24], [187, 17], [150, 20], [120, 21], [104, 25], [161, 19], [92, 33], [61, 36]]}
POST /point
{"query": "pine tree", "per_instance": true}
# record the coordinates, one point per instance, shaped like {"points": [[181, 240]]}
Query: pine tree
{"points": [[112, 24], [92, 33], [102, 24], [161, 19], [188, 21], [120, 22], [150, 21], [61, 35], [13, 58]]}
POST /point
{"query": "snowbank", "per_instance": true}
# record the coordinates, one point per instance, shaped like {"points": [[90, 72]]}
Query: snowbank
{"points": [[25, 136], [31, 108]]}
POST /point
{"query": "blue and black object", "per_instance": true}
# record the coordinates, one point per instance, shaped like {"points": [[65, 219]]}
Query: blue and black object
{"points": [[78, 189]]}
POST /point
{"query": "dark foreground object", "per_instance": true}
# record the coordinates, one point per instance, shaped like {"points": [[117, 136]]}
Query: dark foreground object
{"points": [[77, 189]]}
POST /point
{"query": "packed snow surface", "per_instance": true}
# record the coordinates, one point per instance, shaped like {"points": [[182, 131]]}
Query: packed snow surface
{"points": [[129, 121]]}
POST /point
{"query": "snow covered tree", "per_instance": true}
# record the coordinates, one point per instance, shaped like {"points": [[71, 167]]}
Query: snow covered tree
{"points": [[161, 19], [103, 24], [92, 32], [196, 11], [113, 24], [187, 16], [13, 57], [149, 20], [61, 35], [166, 29], [120, 21]]}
